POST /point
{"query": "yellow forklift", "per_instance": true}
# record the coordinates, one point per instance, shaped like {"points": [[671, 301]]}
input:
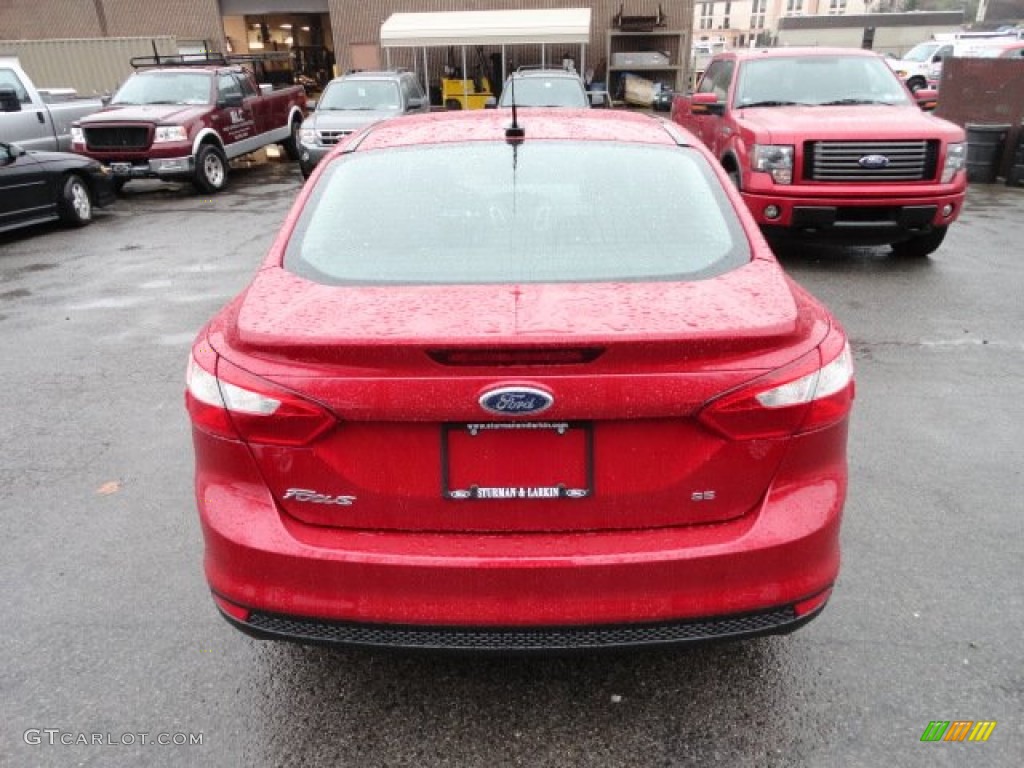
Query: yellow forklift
{"points": [[459, 92]]}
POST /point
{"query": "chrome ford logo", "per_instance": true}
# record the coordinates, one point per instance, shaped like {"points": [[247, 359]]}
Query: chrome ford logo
{"points": [[873, 161], [516, 401]]}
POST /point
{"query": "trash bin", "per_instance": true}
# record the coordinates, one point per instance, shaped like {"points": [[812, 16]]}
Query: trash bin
{"points": [[985, 151], [1015, 177]]}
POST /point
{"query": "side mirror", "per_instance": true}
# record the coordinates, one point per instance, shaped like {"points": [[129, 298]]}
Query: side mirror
{"points": [[599, 99], [414, 103], [927, 99], [311, 105], [491, 103], [230, 100], [9, 101], [706, 104]]}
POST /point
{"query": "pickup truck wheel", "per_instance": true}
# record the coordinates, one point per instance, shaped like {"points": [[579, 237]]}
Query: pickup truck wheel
{"points": [[211, 169], [920, 246], [291, 144], [75, 204], [916, 84]]}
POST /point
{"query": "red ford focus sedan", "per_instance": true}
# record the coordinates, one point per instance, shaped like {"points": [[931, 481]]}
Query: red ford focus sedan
{"points": [[520, 388]]}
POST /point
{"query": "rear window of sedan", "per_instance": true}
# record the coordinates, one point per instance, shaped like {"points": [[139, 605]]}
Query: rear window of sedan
{"points": [[540, 211]]}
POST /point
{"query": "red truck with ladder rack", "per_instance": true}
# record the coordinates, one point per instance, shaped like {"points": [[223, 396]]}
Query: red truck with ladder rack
{"points": [[185, 117]]}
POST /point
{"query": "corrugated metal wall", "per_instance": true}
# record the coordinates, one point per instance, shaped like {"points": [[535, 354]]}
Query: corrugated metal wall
{"points": [[94, 65], [185, 19], [49, 19], [28, 20]]}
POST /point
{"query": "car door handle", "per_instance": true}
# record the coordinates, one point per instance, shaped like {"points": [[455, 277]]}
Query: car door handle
{"points": [[41, 118]]}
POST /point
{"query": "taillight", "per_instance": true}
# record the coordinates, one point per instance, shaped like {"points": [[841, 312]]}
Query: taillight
{"points": [[812, 393], [228, 402]]}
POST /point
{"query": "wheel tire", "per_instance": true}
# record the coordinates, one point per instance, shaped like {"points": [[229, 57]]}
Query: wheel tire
{"points": [[75, 204], [211, 169], [920, 246], [453, 104], [291, 144], [916, 85], [734, 177]]}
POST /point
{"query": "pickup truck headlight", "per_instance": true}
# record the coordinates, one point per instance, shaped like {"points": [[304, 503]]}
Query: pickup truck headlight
{"points": [[956, 156], [77, 135], [166, 133], [307, 136], [776, 159]]}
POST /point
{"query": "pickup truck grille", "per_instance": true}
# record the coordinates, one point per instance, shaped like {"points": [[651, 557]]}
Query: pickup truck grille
{"points": [[843, 161], [330, 138], [117, 137]]}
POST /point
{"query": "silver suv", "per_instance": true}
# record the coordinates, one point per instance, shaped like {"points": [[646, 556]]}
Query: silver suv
{"points": [[353, 101]]}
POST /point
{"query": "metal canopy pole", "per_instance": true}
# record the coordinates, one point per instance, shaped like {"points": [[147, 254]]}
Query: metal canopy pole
{"points": [[465, 87], [426, 74], [387, 57]]}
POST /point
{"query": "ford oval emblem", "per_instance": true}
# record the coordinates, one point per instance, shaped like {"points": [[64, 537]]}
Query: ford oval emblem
{"points": [[873, 161], [516, 401]]}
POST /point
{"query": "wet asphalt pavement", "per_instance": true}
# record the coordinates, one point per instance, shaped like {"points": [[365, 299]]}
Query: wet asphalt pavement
{"points": [[109, 632]]}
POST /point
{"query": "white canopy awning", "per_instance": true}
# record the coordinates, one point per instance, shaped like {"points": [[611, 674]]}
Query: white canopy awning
{"points": [[562, 25]]}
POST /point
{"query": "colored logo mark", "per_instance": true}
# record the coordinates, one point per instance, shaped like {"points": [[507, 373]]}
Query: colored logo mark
{"points": [[958, 730]]}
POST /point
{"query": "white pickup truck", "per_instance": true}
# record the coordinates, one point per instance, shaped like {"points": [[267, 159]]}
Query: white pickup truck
{"points": [[37, 118]]}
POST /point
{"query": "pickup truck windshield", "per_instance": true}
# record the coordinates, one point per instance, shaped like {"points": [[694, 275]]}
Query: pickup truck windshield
{"points": [[366, 95], [165, 88], [817, 81], [491, 212]]}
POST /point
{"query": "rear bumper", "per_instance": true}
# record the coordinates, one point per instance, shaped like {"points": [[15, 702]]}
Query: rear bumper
{"points": [[278, 577]]}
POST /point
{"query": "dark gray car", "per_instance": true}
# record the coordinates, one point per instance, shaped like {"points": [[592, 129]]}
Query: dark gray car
{"points": [[353, 101]]}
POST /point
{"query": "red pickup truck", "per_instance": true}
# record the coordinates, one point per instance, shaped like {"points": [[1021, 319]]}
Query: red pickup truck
{"points": [[186, 122], [828, 144]]}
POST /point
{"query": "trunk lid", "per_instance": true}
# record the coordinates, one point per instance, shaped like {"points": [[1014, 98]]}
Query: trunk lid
{"points": [[627, 367]]}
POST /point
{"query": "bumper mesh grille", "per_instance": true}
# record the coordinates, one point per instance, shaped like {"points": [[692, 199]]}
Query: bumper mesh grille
{"points": [[520, 638], [330, 138], [841, 161], [117, 137]]}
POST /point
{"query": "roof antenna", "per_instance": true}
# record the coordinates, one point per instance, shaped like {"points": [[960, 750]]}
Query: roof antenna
{"points": [[515, 132]]}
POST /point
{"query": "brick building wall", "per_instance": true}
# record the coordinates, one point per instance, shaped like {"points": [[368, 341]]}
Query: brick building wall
{"points": [[352, 21]]}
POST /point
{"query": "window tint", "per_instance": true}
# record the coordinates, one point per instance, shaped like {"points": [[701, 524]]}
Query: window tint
{"points": [[227, 86], [717, 79], [165, 88], [9, 79], [545, 92], [815, 80], [361, 95], [248, 89], [496, 213]]}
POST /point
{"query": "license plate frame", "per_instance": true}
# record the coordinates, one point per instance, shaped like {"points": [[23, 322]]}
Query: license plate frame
{"points": [[457, 438], [121, 169]]}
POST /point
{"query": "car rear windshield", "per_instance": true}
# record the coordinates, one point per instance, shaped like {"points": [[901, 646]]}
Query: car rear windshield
{"points": [[493, 212], [545, 92]]}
